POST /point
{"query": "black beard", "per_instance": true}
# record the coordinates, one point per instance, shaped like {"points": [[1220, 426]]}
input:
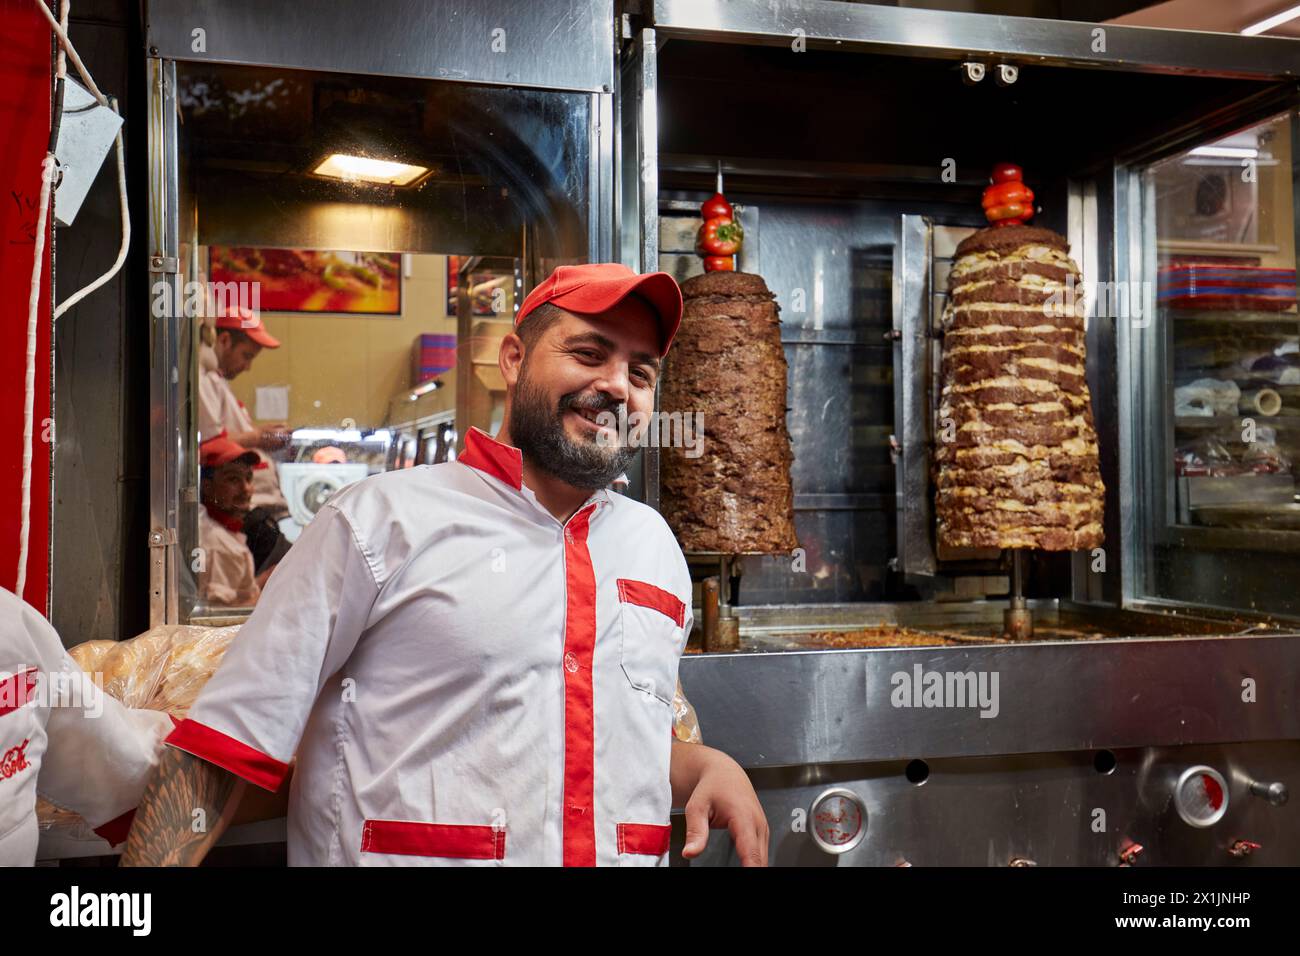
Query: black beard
{"points": [[538, 432]]}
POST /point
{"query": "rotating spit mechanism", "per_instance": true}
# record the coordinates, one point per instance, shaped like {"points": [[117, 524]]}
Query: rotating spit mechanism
{"points": [[839, 820]]}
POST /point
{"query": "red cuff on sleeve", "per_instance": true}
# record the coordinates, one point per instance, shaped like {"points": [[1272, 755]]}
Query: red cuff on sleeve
{"points": [[229, 754], [116, 829]]}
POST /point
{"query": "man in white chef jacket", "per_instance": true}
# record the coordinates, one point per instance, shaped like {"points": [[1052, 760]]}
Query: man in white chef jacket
{"points": [[474, 662], [63, 738], [240, 337], [226, 577]]}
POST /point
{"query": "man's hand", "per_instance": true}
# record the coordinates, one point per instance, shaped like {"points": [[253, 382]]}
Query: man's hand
{"points": [[717, 794], [270, 437]]}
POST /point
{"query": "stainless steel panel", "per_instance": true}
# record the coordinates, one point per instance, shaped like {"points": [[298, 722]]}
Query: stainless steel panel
{"points": [[554, 44], [1090, 246], [936, 33], [1055, 809], [164, 380], [845, 540], [600, 215], [639, 166], [913, 419], [503, 161], [778, 709]]}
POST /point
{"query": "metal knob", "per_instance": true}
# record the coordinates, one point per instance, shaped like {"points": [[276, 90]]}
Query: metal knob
{"points": [[1241, 848], [1275, 793], [1022, 861], [1201, 796], [1129, 852]]}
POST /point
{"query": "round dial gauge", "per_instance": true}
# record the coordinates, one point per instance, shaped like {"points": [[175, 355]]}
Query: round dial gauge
{"points": [[839, 820], [1201, 796]]}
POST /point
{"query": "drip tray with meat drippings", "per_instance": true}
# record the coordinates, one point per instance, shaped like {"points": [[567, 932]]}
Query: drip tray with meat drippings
{"points": [[837, 627]]}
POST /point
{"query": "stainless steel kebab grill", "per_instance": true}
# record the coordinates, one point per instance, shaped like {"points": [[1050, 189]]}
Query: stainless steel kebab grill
{"points": [[895, 700]]}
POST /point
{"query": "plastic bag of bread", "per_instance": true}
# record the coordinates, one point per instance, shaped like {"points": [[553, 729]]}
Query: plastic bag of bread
{"points": [[161, 669], [90, 655]]}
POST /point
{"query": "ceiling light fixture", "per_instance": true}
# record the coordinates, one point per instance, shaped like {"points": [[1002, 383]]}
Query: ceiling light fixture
{"points": [[1226, 152], [1263, 26], [364, 169]]}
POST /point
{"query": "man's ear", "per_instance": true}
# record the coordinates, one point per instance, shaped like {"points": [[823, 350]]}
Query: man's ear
{"points": [[510, 358]]}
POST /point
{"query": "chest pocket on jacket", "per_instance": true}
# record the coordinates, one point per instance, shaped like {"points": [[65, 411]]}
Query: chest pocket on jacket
{"points": [[653, 637]]}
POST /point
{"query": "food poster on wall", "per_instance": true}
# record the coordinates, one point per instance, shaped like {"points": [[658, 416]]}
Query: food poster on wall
{"points": [[313, 280]]}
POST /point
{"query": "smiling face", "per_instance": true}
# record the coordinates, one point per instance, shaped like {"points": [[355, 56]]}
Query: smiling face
{"points": [[575, 379], [230, 488]]}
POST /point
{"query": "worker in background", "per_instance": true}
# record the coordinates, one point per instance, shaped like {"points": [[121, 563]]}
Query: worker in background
{"points": [[239, 338], [226, 574], [64, 739]]}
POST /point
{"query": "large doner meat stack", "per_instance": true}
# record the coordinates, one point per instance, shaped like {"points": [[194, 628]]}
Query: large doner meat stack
{"points": [[1017, 467], [727, 362]]}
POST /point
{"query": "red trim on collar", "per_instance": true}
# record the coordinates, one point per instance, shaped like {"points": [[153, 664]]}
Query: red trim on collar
{"points": [[232, 523], [492, 457]]}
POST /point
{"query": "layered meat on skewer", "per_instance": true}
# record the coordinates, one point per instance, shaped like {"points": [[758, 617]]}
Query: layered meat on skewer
{"points": [[1016, 452]]}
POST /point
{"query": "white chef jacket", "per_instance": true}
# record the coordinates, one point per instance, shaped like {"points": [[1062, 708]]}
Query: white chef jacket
{"points": [[63, 738], [229, 576], [464, 679], [220, 410]]}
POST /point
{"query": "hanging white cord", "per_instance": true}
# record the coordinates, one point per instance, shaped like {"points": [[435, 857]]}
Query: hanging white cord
{"points": [[65, 44], [29, 395], [125, 214], [61, 32], [65, 50]]}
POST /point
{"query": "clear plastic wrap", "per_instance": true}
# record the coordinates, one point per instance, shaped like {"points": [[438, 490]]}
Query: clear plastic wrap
{"points": [[1263, 457], [686, 726], [161, 669]]}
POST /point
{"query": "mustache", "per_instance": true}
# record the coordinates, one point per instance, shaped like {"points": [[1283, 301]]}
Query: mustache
{"points": [[592, 403]]}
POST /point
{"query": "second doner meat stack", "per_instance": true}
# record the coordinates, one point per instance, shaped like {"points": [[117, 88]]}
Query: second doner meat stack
{"points": [[727, 362], [1016, 453]]}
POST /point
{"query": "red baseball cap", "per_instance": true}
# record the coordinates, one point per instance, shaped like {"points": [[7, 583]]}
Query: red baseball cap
{"points": [[245, 320], [220, 450], [599, 286]]}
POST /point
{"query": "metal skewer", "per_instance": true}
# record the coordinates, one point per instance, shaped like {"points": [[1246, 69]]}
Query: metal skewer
{"points": [[1017, 621]]}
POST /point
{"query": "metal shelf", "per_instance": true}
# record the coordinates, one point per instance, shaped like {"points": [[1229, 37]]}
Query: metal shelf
{"points": [[1247, 316], [1286, 422]]}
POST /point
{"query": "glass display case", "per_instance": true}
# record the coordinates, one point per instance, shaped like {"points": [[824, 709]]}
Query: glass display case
{"points": [[1211, 319]]}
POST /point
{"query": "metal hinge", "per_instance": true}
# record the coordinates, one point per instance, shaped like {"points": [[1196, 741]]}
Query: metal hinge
{"points": [[162, 537], [168, 265]]}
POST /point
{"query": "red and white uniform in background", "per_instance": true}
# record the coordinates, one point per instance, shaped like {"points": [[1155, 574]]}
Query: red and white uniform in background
{"points": [[464, 679], [63, 738], [219, 410], [228, 577]]}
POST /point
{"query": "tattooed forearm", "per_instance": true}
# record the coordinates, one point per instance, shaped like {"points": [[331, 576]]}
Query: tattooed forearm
{"points": [[187, 805]]}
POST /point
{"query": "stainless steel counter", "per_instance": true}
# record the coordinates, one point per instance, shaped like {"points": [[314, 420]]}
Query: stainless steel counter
{"points": [[1057, 752]]}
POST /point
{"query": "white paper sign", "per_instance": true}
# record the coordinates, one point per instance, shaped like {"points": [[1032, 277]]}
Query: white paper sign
{"points": [[272, 403]]}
